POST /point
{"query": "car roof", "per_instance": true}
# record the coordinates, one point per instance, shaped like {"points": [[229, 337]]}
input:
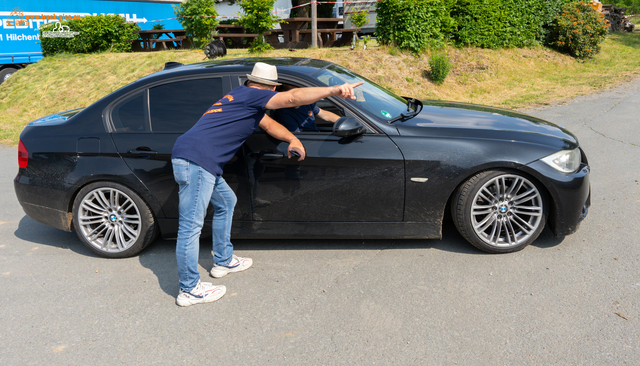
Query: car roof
{"points": [[290, 65]]}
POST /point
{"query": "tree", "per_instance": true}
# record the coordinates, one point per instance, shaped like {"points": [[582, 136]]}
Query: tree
{"points": [[302, 12], [258, 18], [199, 20], [359, 19]]}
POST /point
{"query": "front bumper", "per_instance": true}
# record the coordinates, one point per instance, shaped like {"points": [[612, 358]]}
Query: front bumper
{"points": [[569, 196]]}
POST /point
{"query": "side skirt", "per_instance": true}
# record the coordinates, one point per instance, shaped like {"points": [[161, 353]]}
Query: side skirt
{"points": [[309, 230]]}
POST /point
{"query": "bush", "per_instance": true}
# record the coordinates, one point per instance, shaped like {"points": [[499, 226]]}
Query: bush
{"points": [[413, 25], [156, 26], [418, 24], [258, 18], [359, 19], [229, 21], [503, 23], [439, 68], [96, 34], [198, 18], [579, 30], [633, 6], [547, 12]]}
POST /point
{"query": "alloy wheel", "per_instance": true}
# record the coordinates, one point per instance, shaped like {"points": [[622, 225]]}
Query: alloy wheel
{"points": [[507, 211], [109, 220]]}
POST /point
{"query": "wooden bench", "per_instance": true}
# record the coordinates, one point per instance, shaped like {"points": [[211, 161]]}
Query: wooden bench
{"points": [[273, 36], [328, 37], [136, 45], [168, 43], [236, 39], [180, 42], [150, 40]]}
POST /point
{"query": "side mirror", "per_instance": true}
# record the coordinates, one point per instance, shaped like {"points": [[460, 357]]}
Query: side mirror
{"points": [[348, 126]]}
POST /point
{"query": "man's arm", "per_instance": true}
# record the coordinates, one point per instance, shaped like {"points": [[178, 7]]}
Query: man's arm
{"points": [[273, 128], [304, 96], [327, 116]]}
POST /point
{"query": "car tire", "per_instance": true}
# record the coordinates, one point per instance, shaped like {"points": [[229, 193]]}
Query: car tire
{"points": [[500, 211], [6, 73], [112, 220]]}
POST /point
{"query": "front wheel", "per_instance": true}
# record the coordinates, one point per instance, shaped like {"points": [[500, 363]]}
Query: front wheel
{"points": [[499, 211], [112, 220]]}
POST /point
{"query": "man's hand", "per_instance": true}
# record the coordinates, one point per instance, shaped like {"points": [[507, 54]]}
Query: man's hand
{"points": [[273, 128], [345, 91], [296, 145]]}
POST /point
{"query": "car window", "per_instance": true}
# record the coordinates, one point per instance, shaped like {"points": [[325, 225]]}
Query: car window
{"points": [[370, 97], [176, 107], [293, 117], [130, 115]]}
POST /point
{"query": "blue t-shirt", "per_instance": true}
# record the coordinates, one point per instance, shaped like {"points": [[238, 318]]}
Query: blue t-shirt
{"points": [[298, 119], [220, 132]]}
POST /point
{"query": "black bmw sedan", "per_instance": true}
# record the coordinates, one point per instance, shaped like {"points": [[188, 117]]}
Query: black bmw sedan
{"points": [[391, 167]]}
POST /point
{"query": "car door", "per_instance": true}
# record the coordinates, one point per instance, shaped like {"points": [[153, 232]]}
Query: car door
{"points": [[146, 125], [356, 179]]}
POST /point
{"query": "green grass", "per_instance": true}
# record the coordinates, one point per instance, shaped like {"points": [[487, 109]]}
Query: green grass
{"points": [[511, 78]]}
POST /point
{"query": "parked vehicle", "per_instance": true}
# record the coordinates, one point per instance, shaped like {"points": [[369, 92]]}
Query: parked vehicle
{"points": [[392, 167], [20, 23], [346, 9]]}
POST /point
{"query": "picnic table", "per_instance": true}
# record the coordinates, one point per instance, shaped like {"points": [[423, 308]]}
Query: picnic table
{"points": [[297, 35], [150, 40], [235, 34]]}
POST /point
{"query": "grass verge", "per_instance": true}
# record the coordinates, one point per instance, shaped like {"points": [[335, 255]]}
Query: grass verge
{"points": [[508, 78]]}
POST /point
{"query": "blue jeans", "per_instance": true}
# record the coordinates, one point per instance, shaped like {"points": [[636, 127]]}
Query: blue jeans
{"points": [[198, 187]]}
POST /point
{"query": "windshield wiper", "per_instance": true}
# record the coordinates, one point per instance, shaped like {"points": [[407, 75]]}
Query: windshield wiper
{"points": [[410, 113]]}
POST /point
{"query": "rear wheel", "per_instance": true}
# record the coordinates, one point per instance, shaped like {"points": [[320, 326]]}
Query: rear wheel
{"points": [[112, 220], [499, 211], [6, 73]]}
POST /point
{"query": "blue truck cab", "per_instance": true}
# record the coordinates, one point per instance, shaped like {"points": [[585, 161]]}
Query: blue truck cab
{"points": [[20, 21]]}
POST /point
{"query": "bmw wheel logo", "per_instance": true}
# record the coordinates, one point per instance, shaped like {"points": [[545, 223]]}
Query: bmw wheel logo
{"points": [[503, 209]]}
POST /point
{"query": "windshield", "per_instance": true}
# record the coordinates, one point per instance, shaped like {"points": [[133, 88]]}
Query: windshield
{"points": [[374, 99]]}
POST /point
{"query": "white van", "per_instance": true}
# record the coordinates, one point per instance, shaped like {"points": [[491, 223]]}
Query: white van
{"points": [[342, 10]]}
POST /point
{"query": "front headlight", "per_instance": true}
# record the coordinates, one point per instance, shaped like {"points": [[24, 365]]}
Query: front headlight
{"points": [[565, 161]]}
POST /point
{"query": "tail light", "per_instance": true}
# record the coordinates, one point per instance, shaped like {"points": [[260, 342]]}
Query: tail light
{"points": [[23, 155]]}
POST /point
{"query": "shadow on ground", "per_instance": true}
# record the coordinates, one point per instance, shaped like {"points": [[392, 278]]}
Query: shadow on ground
{"points": [[160, 255], [37, 233]]}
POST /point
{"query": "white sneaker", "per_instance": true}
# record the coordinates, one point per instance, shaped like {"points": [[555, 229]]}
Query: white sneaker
{"points": [[203, 292], [237, 264]]}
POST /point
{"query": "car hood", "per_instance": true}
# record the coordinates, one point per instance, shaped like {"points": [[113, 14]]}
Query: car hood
{"points": [[477, 121]]}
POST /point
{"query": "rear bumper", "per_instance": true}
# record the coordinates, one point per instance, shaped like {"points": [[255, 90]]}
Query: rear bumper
{"points": [[43, 201], [48, 216]]}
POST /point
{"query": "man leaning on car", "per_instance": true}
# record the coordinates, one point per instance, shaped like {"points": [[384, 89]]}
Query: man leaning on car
{"points": [[198, 158]]}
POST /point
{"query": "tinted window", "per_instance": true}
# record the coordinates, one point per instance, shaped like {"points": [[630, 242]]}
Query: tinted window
{"points": [[381, 103], [130, 116], [175, 107]]}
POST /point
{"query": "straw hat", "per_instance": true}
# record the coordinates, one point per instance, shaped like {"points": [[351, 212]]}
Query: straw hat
{"points": [[264, 74]]}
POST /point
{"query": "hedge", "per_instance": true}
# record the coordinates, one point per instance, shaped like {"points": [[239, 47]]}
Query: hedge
{"points": [[96, 33], [418, 24], [504, 23], [413, 25]]}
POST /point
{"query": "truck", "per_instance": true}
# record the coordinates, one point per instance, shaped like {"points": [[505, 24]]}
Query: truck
{"points": [[346, 8], [21, 20]]}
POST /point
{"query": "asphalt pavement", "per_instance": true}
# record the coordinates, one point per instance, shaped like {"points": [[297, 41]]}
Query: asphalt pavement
{"points": [[560, 301]]}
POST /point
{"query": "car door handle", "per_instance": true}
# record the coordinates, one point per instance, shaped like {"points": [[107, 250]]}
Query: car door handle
{"points": [[271, 156], [140, 152]]}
